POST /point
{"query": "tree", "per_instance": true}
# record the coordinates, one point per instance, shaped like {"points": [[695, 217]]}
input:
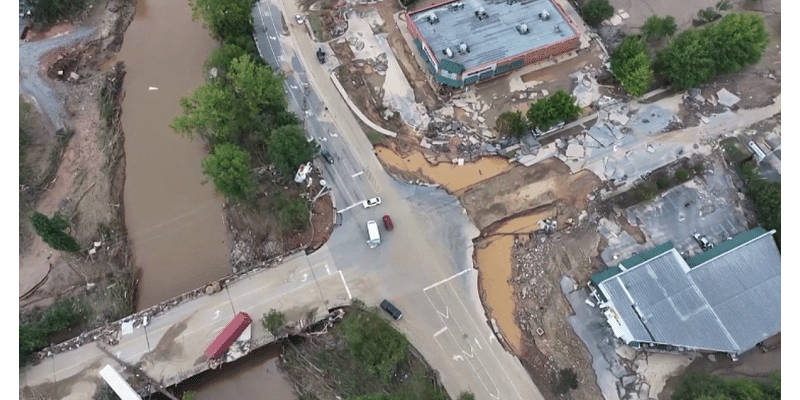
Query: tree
{"points": [[662, 182], [658, 27], [766, 197], [645, 191], [545, 112], [52, 231], [293, 214], [289, 148], [258, 87], [273, 321], [687, 61], [46, 12], [630, 64], [222, 57], [511, 123], [228, 20], [736, 41], [681, 175], [597, 11], [374, 342], [211, 112], [229, 168], [704, 386], [466, 396]]}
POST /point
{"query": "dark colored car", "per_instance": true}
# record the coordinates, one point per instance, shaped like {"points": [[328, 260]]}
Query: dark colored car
{"points": [[321, 56], [327, 156], [391, 309], [388, 223]]}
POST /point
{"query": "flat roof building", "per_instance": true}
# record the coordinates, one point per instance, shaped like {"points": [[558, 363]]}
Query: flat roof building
{"points": [[727, 299], [463, 42]]}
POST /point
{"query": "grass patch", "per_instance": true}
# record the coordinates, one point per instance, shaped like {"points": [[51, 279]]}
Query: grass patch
{"points": [[315, 20], [374, 136], [36, 327], [733, 151], [361, 357]]}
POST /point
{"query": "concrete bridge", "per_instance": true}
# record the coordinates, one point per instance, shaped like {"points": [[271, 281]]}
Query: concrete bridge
{"points": [[167, 341]]}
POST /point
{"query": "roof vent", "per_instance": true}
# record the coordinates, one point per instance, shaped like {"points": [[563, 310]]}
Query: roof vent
{"points": [[448, 52], [455, 6], [481, 14], [432, 18], [463, 48], [544, 15], [523, 28], [558, 28]]}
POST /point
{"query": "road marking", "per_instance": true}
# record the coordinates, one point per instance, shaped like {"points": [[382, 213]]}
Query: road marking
{"points": [[305, 276], [440, 332], [349, 296], [357, 174], [478, 343], [446, 279], [458, 358], [216, 315], [447, 312], [351, 206]]}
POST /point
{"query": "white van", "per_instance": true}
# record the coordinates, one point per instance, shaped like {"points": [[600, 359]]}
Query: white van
{"points": [[374, 235]]}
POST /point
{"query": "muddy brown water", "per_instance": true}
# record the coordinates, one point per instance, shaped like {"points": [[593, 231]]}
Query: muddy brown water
{"points": [[179, 240], [452, 176]]}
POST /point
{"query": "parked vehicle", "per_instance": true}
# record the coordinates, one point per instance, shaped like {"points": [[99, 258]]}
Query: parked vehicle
{"points": [[327, 156], [387, 222], [391, 309], [299, 18], [374, 235], [321, 56], [372, 202], [702, 241], [228, 336]]}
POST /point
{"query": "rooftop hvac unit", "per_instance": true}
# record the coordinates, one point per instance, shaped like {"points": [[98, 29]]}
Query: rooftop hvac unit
{"points": [[544, 15], [432, 18], [456, 6], [463, 48], [558, 28], [481, 13], [523, 28], [448, 52]]}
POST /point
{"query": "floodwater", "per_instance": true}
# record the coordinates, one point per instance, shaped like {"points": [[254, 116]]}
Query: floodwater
{"points": [[494, 258], [173, 216], [452, 176]]}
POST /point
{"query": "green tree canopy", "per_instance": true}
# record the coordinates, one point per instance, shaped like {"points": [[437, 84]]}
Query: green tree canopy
{"points": [[736, 41], [222, 57], [699, 54], [212, 112], [630, 64], [375, 342], [52, 231], [701, 385], [766, 197], [292, 213], [511, 123], [227, 20], [289, 149], [559, 106], [597, 11], [658, 27], [686, 61], [229, 168], [47, 12], [258, 87]]}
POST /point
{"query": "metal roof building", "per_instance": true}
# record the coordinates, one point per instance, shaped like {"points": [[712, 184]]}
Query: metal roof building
{"points": [[726, 299], [465, 41]]}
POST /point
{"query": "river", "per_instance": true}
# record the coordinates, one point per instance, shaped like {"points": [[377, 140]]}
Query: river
{"points": [[174, 218]]}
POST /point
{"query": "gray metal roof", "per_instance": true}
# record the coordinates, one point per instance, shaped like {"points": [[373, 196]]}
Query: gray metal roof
{"points": [[729, 303], [493, 38]]}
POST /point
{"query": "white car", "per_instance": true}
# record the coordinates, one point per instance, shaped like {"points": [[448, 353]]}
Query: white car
{"points": [[299, 18], [372, 202]]}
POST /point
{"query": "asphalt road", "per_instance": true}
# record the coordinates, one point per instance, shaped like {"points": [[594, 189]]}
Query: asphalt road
{"points": [[424, 265]]}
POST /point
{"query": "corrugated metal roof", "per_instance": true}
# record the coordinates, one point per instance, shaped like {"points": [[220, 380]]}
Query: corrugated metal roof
{"points": [[605, 274], [726, 246], [729, 303], [637, 259]]}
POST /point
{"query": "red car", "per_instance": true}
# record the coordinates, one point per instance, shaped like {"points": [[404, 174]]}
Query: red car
{"points": [[387, 222]]}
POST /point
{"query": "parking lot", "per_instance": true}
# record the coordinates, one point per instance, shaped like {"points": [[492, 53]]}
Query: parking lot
{"points": [[708, 205]]}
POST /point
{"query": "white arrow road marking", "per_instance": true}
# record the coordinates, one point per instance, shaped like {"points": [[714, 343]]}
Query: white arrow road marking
{"points": [[446, 315], [471, 353], [216, 314], [478, 343], [305, 276], [274, 38], [440, 332], [293, 86], [458, 358], [357, 174]]}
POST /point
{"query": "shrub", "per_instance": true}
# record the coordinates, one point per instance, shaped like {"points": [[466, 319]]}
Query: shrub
{"points": [[374, 342], [292, 213], [645, 192], [229, 168], [559, 106], [36, 328], [566, 380], [52, 232], [662, 182], [273, 321], [466, 396], [597, 11], [511, 123], [658, 27], [46, 12], [698, 167], [681, 175]]}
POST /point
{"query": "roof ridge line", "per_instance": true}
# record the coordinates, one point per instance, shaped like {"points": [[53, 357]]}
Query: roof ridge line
{"points": [[770, 232]]}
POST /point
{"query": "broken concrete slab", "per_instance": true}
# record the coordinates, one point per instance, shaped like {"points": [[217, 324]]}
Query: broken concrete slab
{"points": [[575, 150], [727, 98]]}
